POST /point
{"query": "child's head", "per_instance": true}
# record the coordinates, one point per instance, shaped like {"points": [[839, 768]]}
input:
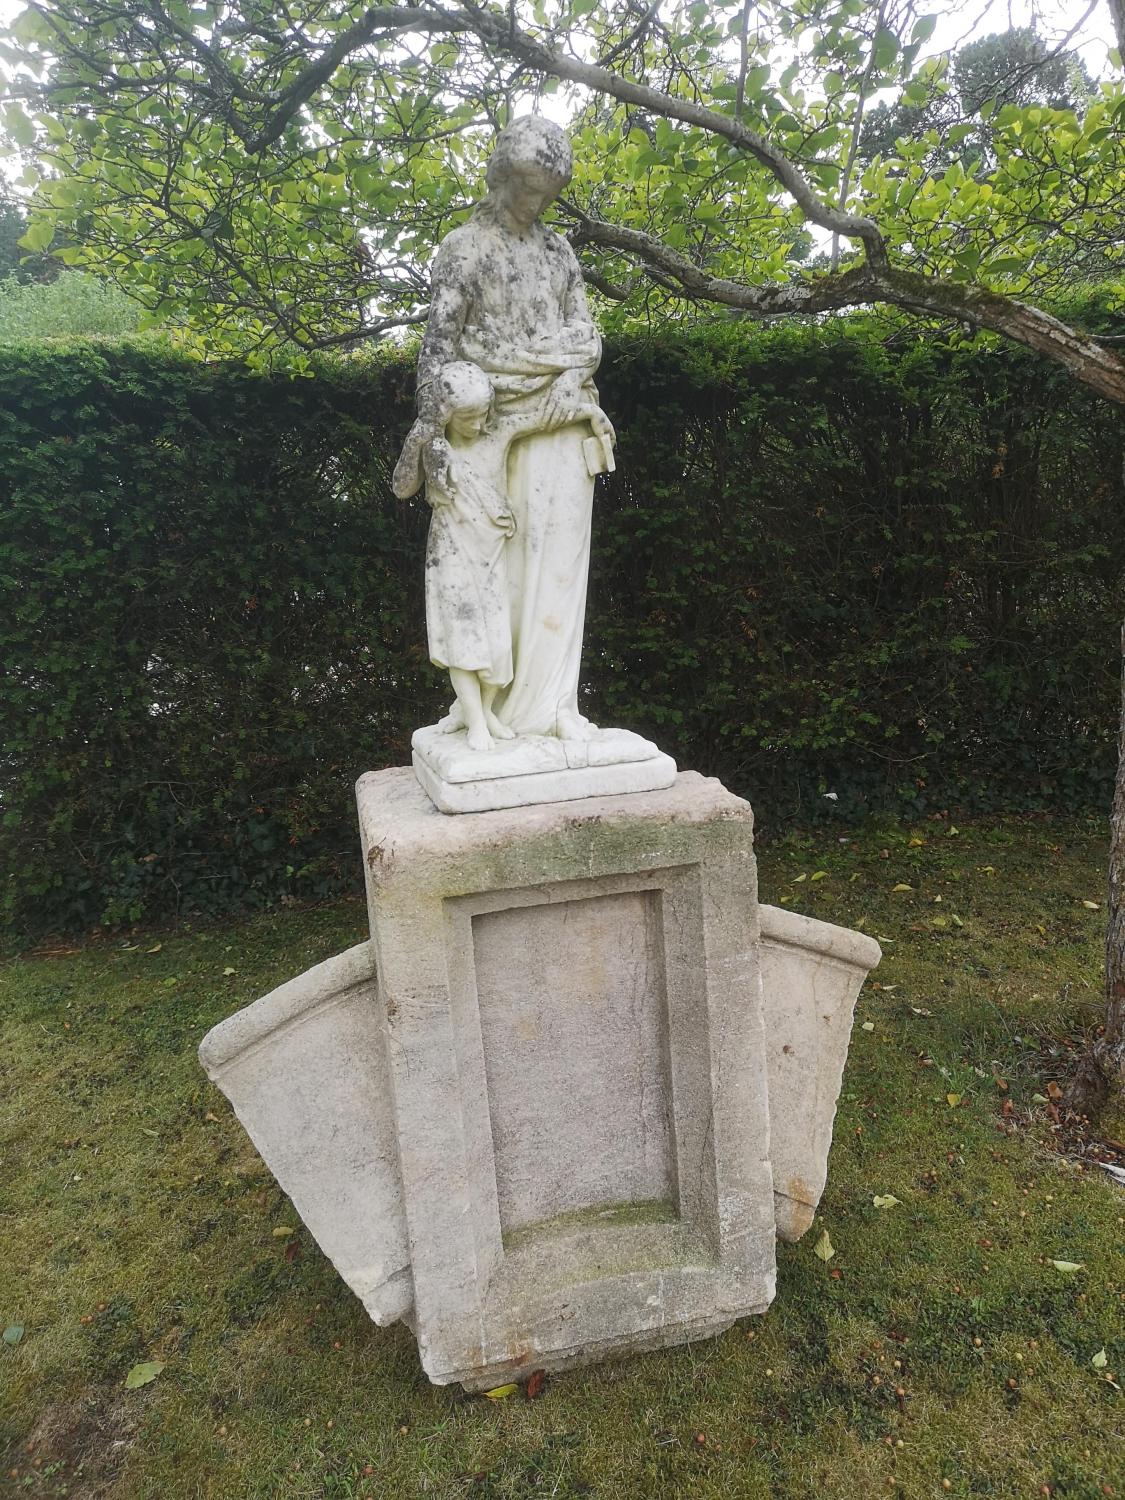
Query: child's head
{"points": [[464, 396]]}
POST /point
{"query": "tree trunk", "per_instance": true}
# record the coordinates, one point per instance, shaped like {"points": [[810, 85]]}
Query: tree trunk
{"points": [[1113, 1043], [1102, 1065]]}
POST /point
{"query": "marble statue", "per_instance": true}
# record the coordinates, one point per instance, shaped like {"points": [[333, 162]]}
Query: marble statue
{"points": [[562, 1102], [509, 439]]}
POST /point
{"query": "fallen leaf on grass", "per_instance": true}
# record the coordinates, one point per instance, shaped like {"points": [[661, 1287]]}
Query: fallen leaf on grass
{"points": [[1038, 1098], [1069, 1265], [823, 1247], [1090, 905], [1054, 1091], [819, 875], [282, 1232], [228, 971], [12, 1334], [535, 1386], [902, 886], [156, 947], [919, 1012], [498, 1393], [953, 1100], [916, 843], [154, 1133], [1100, 1360], [868, 1026], [141, 1374], [885, 1200]]}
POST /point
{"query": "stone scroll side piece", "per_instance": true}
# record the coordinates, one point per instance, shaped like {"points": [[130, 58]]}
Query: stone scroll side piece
{"points": [[305, 1069], [574, 1036], [812, 973]]}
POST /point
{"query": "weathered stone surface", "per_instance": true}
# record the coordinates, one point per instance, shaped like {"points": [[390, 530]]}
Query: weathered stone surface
{"points": [[576, 1082], [536, 768], [574, 1038], [305, 1069], [811, 974]]}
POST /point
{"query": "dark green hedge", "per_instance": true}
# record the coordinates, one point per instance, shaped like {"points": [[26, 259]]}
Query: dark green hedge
{"points": [[832, 560]]}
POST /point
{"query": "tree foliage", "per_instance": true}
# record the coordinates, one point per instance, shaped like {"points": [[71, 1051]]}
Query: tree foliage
{"points": [[281, 176]]}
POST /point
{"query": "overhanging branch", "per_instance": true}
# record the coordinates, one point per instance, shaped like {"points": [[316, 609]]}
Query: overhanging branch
{"points": [[1087, 357]]}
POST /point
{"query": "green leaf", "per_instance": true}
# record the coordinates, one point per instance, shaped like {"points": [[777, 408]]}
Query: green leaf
{"points": [[1099, 1361], [142, 1374], [12, 1334], [824, 1248], [886, 1200], [39, 235], [1069, 1266], [886, 48], [501, 1392]]}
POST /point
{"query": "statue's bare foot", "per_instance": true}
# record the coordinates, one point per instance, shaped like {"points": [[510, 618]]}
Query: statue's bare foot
{"points": [[575, 727], [452, 722], [497, 730], [479, 738]]}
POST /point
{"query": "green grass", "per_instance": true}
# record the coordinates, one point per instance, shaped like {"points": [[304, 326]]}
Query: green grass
{"points": [[139, 1225]]}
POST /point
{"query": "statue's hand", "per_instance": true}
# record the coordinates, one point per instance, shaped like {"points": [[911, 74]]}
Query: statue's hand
{"points": [[602, 426], [565, 394]]}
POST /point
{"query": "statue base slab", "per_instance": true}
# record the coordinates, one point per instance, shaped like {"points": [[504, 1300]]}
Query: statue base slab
{"points": [[535, 768]]}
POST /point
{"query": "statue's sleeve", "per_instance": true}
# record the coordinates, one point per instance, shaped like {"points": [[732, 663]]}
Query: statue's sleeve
{"points": [[449, 302], [576, 310]]}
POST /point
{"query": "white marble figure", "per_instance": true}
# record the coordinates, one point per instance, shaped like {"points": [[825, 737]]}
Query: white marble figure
{"points": [[508, 297], [509, 470], [466, 474]]}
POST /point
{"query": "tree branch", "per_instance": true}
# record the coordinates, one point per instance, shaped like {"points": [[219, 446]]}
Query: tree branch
{"points": [[1085, 356]]}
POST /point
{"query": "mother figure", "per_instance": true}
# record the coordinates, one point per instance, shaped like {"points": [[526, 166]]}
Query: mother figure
{"points": [[508, 296]]}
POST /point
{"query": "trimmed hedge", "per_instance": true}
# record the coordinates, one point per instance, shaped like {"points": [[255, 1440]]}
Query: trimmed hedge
{"points": [[833, 560]]}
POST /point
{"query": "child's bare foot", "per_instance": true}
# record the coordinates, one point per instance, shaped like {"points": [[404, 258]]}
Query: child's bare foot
{"points": [[452, 722], [575, 727], [497, 730], [479, 738]]}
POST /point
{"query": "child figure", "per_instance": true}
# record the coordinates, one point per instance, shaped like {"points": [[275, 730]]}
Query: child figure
{"points": [[468, 613]]}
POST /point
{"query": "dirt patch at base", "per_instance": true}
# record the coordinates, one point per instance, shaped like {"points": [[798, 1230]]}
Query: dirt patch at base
{"points": [[77, 1447]]}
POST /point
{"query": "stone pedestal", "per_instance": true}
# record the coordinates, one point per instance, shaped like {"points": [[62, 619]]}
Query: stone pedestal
{"points": [[532, 1116], [577, 1062]]}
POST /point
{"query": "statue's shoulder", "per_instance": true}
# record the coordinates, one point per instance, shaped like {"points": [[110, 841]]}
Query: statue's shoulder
{"points": [[559, 246], [461, 246]]}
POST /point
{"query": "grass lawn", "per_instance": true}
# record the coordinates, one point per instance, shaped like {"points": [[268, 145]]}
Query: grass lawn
{"points": [[940, 1352]]}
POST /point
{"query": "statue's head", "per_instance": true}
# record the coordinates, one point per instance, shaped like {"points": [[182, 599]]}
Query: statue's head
{"points": [[530, 165], [464, 397]]}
